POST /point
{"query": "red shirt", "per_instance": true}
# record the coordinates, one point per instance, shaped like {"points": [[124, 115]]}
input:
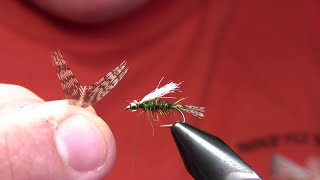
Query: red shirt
{"points": [[254, 65]]}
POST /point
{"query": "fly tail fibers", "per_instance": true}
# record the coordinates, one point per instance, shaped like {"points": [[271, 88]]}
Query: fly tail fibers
{"points": [[194, 110]]}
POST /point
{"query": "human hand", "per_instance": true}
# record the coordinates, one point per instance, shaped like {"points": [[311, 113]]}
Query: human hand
{"points": [[51, 140]]}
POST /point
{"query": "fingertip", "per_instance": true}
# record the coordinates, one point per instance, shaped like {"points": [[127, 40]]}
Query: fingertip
{"points": [[65, 103], [74, 142], [81, 145], [16, 91], [83, 140], [14, 97], [91, 109]]}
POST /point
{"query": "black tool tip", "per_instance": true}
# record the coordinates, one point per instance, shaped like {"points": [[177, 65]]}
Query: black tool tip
{"points": [[207, 157]]}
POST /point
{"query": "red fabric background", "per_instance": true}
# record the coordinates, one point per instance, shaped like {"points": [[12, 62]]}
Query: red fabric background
{"points": [[254, 65]]}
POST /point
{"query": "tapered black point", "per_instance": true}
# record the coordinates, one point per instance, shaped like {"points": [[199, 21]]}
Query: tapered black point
{"points": [[207, 157]]}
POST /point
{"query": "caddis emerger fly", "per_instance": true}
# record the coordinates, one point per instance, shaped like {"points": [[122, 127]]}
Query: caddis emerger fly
{"points": [[152, 105]]}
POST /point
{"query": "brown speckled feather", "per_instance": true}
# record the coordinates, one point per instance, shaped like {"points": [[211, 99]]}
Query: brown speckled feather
{"points": [[85, 96]]}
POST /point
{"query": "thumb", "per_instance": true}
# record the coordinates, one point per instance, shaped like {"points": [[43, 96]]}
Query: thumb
{"points": [[51, 140]]}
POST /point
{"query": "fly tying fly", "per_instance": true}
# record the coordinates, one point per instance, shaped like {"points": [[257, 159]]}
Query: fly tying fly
{"points": [[152, 104]]}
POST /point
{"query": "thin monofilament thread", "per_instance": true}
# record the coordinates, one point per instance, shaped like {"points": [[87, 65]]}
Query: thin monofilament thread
{"points": [[134, 146]]}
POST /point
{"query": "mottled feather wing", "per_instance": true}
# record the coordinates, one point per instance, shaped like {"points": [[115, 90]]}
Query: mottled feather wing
{"points": [[85, 96], [100, 88], [69, 82]]}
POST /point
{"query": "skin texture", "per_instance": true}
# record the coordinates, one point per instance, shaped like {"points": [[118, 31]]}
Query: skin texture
{"points": [[51, 140], [88, 11]]}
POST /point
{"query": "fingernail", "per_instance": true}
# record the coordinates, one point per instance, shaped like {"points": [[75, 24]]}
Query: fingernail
{"points": [[80, 144]]}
